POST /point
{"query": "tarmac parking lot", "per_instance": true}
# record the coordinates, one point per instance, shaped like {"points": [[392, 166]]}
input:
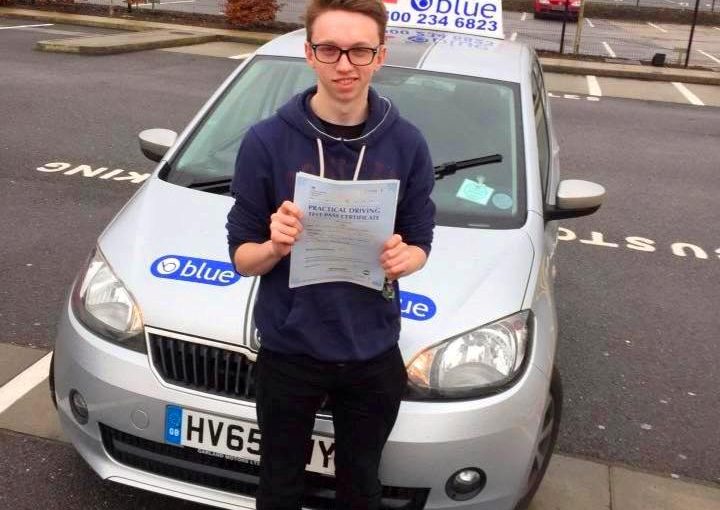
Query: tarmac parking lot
{"points": [[291, 11], [634, 40], [622, 39], [636, 283]]}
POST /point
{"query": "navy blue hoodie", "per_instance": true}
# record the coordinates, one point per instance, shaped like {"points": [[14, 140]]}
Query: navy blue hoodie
{"points": [[329, 321]]}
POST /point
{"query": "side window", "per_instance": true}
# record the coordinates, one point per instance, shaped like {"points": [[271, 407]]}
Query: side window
{"points": [[541, 127]]}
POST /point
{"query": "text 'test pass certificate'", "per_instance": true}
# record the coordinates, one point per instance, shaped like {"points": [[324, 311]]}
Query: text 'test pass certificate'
{"points": [[345, 225]]}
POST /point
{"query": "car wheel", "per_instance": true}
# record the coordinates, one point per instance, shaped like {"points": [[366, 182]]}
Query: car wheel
{"points": [[546, 442], [51, 380]]}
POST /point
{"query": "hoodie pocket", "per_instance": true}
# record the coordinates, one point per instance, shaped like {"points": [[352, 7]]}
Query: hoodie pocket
{"points": [[339, 309]]}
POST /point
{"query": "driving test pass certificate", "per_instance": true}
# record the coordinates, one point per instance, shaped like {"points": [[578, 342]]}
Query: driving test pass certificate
{"points": [[345, 225]]}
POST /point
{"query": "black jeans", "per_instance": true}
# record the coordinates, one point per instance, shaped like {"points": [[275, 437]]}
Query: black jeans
{"points": [[366, 397]]}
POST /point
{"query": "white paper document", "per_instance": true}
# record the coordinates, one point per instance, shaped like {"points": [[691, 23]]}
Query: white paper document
{"points": [[345, 225]]}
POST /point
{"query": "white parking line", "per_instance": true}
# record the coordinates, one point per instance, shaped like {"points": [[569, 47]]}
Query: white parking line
{"points": [[609, 50], [558, 95], [716, 28], [241, 56], [523, 17], [692, 98], [21, 384], [659, 28], [709, 56], [589, 23], [28, 26], [594, 86], [513, 36]]}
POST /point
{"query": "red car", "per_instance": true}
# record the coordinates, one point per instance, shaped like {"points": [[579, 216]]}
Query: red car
{"points": [[556, 8]]}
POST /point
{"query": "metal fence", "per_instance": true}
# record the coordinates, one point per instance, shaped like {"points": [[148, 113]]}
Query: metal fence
{"points": [[706, 5], [292, 11]]}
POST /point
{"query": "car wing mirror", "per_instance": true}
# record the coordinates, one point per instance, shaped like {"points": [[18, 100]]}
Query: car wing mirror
{"points": [[154, 143], [575, 198]]}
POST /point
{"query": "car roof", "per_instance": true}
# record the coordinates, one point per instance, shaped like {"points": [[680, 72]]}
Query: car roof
{"points": [[433, 50]]}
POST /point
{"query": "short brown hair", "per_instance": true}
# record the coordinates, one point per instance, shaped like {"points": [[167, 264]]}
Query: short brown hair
{"points": [[372, 8]]}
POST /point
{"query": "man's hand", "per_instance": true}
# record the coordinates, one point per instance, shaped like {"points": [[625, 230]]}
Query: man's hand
{"points": [[285, 227], [400, 259]]}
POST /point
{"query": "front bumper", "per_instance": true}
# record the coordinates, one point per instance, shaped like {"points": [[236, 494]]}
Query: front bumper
{"points": [[430, 440]]}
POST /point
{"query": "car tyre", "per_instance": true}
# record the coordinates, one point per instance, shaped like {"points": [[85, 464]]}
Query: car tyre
{"points": [[546, 443]]}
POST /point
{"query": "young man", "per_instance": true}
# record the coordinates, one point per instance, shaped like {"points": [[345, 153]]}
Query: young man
{"points": [[334, 339]]}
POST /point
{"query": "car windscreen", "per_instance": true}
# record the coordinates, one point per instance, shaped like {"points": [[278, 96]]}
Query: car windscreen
{"points": [[461, 117]]}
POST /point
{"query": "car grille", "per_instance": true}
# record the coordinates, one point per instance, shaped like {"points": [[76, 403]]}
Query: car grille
{"points": [[188, 465], [203, 367], [208, 369]]}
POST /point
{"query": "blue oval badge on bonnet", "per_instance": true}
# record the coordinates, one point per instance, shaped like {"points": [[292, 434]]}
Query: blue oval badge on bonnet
{"points": [[421, 5], [416, 306], [190, 269]]}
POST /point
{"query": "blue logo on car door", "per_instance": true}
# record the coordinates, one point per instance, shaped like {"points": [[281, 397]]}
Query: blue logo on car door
{"points": [[416, 306], [191, 269]]}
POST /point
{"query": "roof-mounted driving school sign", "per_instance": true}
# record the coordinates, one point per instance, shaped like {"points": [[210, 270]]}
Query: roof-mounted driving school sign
{"points": [[477, 17]]}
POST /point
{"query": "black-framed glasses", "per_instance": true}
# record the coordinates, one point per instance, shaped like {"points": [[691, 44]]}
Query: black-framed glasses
{"points": [[330, 54]]}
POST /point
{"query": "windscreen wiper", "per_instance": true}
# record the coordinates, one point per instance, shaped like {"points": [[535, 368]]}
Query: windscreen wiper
{"points": [[451, 167], [213, 186]]}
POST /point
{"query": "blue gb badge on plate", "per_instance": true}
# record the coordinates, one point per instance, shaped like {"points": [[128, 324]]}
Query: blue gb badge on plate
{"points": [[173, 424]]}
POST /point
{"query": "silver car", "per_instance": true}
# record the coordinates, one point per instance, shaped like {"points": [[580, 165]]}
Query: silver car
{"points": [[153, 366]]}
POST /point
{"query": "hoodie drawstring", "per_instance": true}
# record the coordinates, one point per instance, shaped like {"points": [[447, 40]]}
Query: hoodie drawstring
{"points": [[322, 160], [359, 163]]}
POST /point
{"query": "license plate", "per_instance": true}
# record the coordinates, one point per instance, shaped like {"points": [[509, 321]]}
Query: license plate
{"points": [[234, 439]]}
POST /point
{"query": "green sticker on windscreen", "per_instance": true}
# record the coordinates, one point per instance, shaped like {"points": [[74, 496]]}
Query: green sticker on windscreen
{"points": [[502, 201], [475, 192]]}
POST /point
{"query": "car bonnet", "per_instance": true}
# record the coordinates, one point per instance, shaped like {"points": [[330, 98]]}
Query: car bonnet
{"points": [[168, 246]]}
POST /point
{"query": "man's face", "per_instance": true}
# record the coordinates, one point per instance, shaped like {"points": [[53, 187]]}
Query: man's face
{"points": [[343, 81]]}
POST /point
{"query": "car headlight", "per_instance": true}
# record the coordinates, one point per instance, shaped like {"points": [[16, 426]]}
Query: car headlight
{"points": [[102, 303], [479, 362]]}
